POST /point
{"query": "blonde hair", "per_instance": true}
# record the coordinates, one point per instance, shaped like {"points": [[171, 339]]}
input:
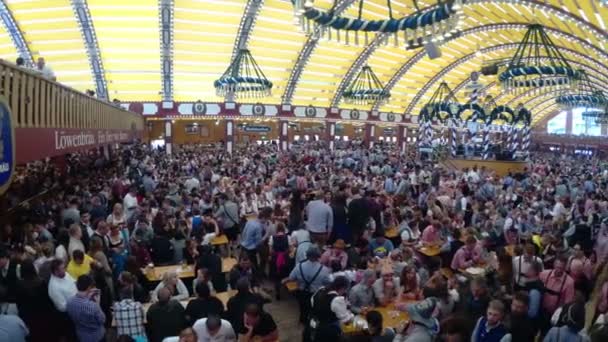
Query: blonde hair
{"points": [[169, 275]]}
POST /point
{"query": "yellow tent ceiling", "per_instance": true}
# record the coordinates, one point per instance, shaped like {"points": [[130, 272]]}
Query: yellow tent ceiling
{"points": [[205, 32]]}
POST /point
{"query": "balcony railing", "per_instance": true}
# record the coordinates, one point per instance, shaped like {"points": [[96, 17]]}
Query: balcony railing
{"points": [[52, 119]]}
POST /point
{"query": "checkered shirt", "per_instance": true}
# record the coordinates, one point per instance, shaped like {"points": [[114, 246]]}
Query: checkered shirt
{"points": [[129, 317]]}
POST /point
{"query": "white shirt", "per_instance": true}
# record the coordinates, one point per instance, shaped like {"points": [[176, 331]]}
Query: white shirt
{"points": [[61, 289], [192, 183], [520, 268], [129, 203], [61, 253], [47, 72], [225, 334], [340, 308]]}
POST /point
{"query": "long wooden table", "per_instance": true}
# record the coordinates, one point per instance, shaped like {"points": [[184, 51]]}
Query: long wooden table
{"points": [[183, 271], [391, 318], [222, 296], [429, 251]]}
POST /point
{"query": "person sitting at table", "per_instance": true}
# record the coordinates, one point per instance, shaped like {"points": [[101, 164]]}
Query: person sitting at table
{"points": [[410, 234], [422, 326], [361, 296], [214, 329], [244, 268], [380, 246], [329, 311], [466, 256], [258, 325], [161, 248], [237, 303], [203, 276], [203, 305], [489, 328], [386, 288], [410, 284], [431, 235], [165, 318], [213, 263], [176, 287], [375, 331], [335, 253], [211, 229]]}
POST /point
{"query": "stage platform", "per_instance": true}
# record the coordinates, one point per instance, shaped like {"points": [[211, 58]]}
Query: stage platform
{"points": [[500, 167]]}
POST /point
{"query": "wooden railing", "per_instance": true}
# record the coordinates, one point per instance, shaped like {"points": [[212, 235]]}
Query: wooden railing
{"points": [[574, 140], [37, 102]]}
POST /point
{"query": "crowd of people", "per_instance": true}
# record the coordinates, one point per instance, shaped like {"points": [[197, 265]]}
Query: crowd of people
{"points": [[365, 235]]}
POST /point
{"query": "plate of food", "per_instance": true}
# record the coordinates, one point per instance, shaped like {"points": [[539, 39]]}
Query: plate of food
{"points": [[475, 270]]}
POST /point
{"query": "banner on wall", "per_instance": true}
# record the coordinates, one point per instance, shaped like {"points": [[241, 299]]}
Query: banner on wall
{"points": [[7, 146], [256, 129], [39, 143]]}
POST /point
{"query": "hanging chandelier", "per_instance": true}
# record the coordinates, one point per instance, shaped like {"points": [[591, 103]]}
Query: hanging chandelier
{"points": [[599, 115], [587, 95], [537, 63], [442, 105], [366, 88], [433, 24], [243, 78]]}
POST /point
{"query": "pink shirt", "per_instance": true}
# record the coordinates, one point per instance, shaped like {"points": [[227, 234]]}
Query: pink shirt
{"points": [[464, 258], [602, 306], [330, 255], [430, 235], [580, 268], [563, 288]]}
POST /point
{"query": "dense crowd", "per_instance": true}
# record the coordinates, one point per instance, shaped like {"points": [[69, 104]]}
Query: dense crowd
{"points": [[362, 237]]}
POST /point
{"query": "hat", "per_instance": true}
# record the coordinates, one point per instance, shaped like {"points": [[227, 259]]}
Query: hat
{"points": [[387, 267], [422, 313], [339, 244]]}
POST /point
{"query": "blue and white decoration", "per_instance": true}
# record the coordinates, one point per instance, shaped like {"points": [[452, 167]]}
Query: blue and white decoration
{"points": [[430, 25]]}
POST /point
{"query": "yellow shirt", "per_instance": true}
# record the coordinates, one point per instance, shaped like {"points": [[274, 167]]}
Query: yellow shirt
{"points": [[76, 270]]}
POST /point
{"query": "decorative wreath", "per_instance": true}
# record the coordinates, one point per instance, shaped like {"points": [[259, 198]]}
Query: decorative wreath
{"points": [[479, 112], [241, 84], [354, 114], [390, 117], [258, 109], [582, 100], [436, 22], [199, 108], [310, 112], [509, 76], [504, 113]]}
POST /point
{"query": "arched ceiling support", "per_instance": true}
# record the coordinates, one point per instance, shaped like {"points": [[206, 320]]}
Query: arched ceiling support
{"points": [[16, 35], [165, 13], [484, 28], [246, 26], [544, 7], [304, 56], [83, 16]]}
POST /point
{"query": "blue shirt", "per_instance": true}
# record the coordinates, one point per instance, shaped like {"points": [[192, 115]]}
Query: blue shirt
{"points": [[252, 234], [535, 301], [12, 328], [381, 250], [304, 273], [88, 318]]}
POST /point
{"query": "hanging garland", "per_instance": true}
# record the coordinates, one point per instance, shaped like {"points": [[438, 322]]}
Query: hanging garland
{"points": [[434, 24]]}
